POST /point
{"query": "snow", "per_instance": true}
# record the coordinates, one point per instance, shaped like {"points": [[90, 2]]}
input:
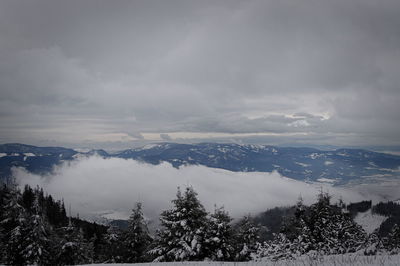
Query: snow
{"points": [[326, 180], [333, 260], [78, 156], [369, 221], [82, 150], [29, 154], [114, 215], [315, 155], [2, 154], [328, 162], [150, 146], [389, 170], [223, 150], [302, 164]]}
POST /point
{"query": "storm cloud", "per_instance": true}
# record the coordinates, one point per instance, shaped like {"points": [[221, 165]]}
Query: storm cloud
{"points": [[78, 72]]}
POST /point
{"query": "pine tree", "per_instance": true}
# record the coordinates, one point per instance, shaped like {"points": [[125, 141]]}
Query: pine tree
{"points": [[73, 248], [220, 236], [137, 238], [36, 242], [334, 231], [393, 240], [114, 248], [294, 239], [297, 232], [184, 228], [279, 248], [373, 244], [13, 224], [3, 194], [322, 228], [246, 239]]}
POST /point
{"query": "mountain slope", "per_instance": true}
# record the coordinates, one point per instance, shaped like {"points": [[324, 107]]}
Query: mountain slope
{"points": [[338, 166]]}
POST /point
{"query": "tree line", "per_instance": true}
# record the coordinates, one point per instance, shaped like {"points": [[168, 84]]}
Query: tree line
{"points": [[35, 229]]}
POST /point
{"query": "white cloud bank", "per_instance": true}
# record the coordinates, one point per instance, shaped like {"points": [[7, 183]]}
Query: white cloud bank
{"points": [[96, 185]]}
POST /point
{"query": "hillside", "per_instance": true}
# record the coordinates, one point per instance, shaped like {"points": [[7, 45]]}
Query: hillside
{"points": [[341, 166]]}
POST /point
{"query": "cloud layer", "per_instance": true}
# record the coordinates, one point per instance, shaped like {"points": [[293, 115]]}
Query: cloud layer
{"points": [[100, 71], [96, 186]]}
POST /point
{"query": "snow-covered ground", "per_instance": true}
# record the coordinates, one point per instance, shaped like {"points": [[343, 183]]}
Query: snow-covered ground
{"points": [[334, 260], [369, 221]]}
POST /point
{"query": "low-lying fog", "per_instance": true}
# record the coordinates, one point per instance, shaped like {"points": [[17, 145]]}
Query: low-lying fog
{"points": [[95, 185]]}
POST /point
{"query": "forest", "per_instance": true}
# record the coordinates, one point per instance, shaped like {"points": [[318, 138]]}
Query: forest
{"points": [[35, 229]]}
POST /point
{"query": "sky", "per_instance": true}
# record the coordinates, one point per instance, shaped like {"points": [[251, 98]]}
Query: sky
{"points": [[123, 73]]}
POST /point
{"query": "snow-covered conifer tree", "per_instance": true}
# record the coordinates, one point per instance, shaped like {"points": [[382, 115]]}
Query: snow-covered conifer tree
{"points": [[297, 231], [13, 223], [72, 248], [335, 232], [373, 244], [246, 239], [184, 229], [220, 236], [279, 248], [137, 237], [36, 242], [113, 250], [393, 240]]}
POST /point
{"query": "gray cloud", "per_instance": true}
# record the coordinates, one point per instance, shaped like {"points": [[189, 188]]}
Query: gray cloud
{"points": [[97, 186], [100, 71], [165, 137]]}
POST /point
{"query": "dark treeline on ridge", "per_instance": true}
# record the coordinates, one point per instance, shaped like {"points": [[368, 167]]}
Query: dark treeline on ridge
{"points": [[35, 229]]}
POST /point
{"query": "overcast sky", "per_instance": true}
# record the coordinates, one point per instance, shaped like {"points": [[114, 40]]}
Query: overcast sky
{"points": [[127, 72]]}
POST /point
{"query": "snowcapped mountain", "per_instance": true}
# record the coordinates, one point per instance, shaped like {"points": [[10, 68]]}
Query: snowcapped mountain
{"points": [[35, 159], [338, 167], [38, 160]]}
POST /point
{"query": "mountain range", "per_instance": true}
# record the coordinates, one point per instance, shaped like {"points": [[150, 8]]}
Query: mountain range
{"points": [[340, 166]]}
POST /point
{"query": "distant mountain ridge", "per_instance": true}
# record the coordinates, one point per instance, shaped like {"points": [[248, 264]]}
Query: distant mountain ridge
{"points": [[339, 166]]}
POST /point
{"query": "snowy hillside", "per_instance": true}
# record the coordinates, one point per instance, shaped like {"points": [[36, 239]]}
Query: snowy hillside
{"points": [[342, 260], [337, 167], [369, 221]]}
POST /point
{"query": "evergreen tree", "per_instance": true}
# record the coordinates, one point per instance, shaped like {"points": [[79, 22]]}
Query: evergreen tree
{"points": [[113, 249], [279, 248], [393, 240], [137, 238], [246, 239], [334, 231], [28, 198], [322, 228], [13, 224], [373, 244], [297, 232], [73, 248], [184, 229], [36, 242], [220, 236], [3, 194]]}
